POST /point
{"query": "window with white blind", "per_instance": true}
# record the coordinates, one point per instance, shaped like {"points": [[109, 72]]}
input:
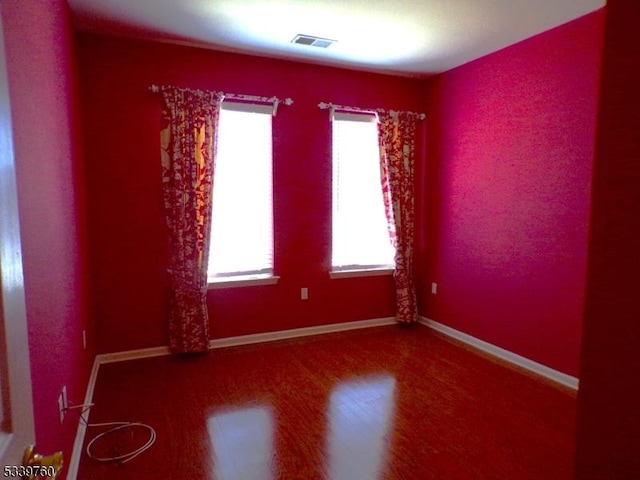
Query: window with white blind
{"points": [[360, 238], [242, 218]]}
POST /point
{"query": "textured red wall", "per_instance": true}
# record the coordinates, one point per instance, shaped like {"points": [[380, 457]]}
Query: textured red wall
{"points": [[41, 70], [608, 443], [510, 152], [127, 227]]}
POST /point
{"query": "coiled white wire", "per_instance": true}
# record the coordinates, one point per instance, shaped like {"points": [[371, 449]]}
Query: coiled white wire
{"points": [[120, 426], [116, 427]]}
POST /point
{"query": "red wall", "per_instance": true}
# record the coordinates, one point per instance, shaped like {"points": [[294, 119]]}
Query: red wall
{"points": [[41, 70], [127, 227], [608, 443], [504, 225], [510, 153]]}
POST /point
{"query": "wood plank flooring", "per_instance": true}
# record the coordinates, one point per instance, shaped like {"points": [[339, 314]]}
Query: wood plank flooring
{"points": [[383, 403]]}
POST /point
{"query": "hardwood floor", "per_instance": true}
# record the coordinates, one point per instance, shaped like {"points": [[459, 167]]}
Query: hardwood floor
{"points": [[382, 403]]}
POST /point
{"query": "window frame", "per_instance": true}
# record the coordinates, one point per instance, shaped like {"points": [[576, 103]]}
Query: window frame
{"points": [[352, 270], [253, 277]]}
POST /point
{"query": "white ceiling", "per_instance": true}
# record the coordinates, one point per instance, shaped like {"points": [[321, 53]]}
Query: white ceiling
{"points": [[410, 37]]}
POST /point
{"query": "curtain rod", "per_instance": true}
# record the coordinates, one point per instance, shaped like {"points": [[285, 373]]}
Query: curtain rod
{"points": [[247, 98], [333, 107]]}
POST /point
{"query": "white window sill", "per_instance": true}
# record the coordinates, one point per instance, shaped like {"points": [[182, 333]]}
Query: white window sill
{"points": [[366, 272], [241, 281]]}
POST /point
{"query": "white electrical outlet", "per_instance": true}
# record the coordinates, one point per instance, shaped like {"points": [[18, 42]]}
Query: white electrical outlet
{"points": [[304, 293], [62, 403], [61, 407], [434, 288]]}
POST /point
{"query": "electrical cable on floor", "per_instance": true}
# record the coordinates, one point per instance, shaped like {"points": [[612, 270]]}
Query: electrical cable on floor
{"points": [[117, 426]]}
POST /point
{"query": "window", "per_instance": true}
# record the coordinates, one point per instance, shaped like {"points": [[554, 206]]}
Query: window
{"points": [[360, 239], [242, 218]]}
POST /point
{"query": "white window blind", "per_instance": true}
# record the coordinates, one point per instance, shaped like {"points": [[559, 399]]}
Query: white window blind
{"points": [[360, 238], [242, 218]]}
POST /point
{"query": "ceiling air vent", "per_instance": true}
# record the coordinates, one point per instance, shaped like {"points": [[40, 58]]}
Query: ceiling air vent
{"points": [[312, 41]]}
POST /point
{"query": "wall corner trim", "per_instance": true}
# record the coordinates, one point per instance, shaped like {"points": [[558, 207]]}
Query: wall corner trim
{"points": [[513, 358]]}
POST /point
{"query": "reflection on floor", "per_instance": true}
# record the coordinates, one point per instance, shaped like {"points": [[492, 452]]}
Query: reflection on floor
{"points": [[242, 442], [384, 403], [360, 412]]}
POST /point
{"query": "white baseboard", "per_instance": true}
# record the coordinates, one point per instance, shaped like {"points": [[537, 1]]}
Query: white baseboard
{"points": [[299, 332], [249, 339], [132, 355], [76, 453], [523, 362]]}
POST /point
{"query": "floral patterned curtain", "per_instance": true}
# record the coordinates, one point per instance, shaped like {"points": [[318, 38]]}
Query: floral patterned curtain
{"points": [[396, 135], [188, 133]]}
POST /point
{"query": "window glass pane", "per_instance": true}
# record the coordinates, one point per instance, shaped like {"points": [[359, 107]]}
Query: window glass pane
{"points": [[360, 235], [242, 218]]}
